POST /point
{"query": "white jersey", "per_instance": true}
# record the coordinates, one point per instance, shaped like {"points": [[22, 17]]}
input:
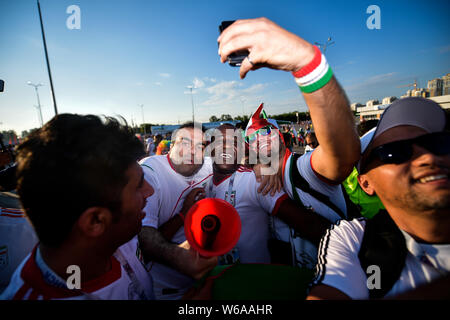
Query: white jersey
{"points": [[150, 146], [127, 280], [339, 265], [254, 209], [171, 188], [17, 239], [306, 251]]}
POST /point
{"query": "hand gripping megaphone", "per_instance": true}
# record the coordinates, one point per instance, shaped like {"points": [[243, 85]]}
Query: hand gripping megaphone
{"points": [[212, 227]]}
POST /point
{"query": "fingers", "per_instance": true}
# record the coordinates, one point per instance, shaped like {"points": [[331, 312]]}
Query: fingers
{"points": [[197, 193], [246, 65], [269, 185], [263, 184], [257, 171]]}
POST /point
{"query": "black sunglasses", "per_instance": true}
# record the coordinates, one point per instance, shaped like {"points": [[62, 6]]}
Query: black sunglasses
{"points": [[398, 152]]}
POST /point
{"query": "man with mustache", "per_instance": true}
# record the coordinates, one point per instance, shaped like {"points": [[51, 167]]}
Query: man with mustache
{"points": [[238, 186], [173, 264], [406, 162]]}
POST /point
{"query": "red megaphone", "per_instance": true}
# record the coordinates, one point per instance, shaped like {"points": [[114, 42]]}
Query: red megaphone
{"points": [[212, 227]]}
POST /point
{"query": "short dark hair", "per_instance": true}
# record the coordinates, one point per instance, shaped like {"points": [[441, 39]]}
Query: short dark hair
{"points": [[73, 163], [191, 124]]}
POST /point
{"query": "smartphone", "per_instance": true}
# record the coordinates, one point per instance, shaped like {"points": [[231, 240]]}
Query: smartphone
{"points": [[235, 59]]}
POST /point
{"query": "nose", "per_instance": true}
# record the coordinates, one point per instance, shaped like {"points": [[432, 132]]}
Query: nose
{"points": [[147, 190], [423, 157]]}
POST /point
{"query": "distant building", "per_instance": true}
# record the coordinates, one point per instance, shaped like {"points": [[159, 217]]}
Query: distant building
{"points": [[372, 103], [389, 100], [435, 87], [438, 90], [424, 93], [443, 101], [439, 86], [446, 84], [168, 128], [355, 106]]}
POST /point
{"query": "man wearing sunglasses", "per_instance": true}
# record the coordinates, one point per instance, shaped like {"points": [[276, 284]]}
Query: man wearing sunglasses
{"points": [[406, 162]]}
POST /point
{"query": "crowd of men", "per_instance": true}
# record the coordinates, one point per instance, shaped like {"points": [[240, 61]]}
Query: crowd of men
{"points": [[99, 201]]}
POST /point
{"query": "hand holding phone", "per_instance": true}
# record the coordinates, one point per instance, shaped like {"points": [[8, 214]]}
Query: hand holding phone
{"points": [[235, 59]]}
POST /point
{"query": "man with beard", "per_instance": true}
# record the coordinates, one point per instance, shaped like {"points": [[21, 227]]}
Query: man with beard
{"points": [[238, 186], [332, 161], [406, 162], [174, 265]]}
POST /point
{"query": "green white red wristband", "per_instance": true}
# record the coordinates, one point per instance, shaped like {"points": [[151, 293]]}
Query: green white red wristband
{"points": [[314, 75]]}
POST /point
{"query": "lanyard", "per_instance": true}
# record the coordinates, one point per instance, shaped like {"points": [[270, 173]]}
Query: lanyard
{"points": [[49, 276], [53, 279], [212, 193], [130, 272]]}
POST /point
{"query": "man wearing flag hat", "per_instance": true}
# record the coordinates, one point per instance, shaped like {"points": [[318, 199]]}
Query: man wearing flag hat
{"points": [[332, 161]]}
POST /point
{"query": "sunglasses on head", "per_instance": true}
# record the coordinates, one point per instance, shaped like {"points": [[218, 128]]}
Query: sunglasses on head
{"points": [[265, 131], [398, 152]]}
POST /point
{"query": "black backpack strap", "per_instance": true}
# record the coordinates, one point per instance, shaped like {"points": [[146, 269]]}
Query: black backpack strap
{"points": [[298, 181], [383, 245]]}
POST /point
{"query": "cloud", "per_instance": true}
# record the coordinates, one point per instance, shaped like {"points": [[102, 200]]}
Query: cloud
{"points": [[230, 93], [157, 83], [198, 83], [165, 75], [207, 79]]}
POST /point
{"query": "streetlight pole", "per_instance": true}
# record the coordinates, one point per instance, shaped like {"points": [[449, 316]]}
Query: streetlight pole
{"points": [[39, 102], [243, 107], [192, 101], [143, 122], [46, 59]]}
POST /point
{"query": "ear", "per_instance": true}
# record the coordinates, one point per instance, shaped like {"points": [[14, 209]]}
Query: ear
{"points": [[94, 221], [365, 184]]}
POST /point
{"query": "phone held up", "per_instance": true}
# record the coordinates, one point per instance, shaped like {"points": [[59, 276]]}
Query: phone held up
{"points": [[235, 59]]}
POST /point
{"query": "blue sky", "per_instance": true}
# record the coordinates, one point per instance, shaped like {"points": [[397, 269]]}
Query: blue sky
{"points": [[129, 53]]}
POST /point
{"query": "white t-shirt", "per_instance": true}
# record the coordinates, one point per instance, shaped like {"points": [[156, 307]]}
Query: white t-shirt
{"points": [[150, 146], [306, 251], [254, 210], [339, 265], [17, 239], [171, 188], [28, 282]]}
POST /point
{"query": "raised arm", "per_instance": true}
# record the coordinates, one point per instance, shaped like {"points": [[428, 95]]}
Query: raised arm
{"points": [[274, 47]]}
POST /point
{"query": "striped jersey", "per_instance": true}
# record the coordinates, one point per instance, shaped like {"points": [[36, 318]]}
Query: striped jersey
{"points": [[306, 251], [17, 239], [339, 265]]}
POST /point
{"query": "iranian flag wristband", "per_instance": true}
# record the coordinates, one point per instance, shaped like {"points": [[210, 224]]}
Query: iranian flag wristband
{"points": [[314, 75]]}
